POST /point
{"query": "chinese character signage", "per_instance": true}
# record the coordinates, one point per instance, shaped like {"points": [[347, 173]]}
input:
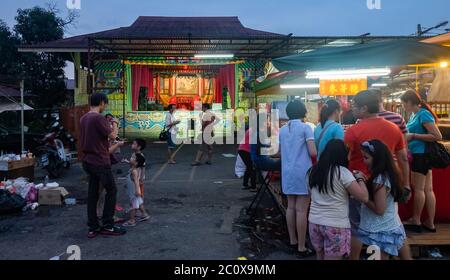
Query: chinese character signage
{"points": [[342, 86]]}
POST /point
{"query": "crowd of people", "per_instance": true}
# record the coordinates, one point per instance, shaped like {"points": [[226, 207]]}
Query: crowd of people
{"points": [[351, 182], [344, 186]]}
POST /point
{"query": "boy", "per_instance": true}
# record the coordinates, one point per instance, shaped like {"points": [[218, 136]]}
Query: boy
{"points": [[134, 191]]}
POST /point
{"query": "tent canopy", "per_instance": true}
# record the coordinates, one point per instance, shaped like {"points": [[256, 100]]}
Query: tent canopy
{"points": [[379, 54], [10, 106]]}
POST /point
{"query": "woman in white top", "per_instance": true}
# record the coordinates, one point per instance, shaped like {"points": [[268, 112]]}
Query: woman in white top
{"points": [[297, 148], [171, 124], [330, 183]]}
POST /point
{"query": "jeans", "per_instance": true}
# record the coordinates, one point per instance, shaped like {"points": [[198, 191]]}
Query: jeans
{"points": [[100, 174], [249, 171]]}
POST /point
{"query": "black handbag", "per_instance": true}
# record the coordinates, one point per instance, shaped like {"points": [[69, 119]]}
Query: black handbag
{"points": [[164, 135], [437, 155]]}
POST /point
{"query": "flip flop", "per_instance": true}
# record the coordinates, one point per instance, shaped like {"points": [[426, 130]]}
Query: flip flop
{"points": [[432, 230], [129, 224], [412, 227], [142, 219]]}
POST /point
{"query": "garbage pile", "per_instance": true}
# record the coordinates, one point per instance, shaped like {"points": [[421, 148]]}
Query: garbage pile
{"points": [[21, 195]]}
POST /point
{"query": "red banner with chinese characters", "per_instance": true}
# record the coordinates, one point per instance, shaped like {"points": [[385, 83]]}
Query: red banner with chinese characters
{"points": [[342, 87]]}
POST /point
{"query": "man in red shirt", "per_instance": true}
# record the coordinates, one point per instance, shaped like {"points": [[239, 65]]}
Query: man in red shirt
{"points": [[95, 134], [369, 127]]}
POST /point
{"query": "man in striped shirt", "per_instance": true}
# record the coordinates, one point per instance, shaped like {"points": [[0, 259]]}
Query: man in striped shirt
{"points": [[395, 118]]}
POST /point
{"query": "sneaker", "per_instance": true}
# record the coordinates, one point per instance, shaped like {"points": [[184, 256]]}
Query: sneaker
{"points": [[113, 231], [93, 233]]}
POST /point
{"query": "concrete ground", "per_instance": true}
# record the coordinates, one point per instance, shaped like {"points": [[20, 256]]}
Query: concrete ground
{"points": [[196, 213], [192, 212]]}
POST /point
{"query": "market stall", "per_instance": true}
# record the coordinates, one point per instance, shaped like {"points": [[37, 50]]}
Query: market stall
{"points": [[355, 68]]}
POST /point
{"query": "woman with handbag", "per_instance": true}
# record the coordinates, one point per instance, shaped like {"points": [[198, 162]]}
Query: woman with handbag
{"points": [[422, 131], [171, 133]]}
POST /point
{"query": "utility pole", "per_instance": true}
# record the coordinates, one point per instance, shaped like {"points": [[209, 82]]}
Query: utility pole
{"points": [[421, 32], [21, 116]]}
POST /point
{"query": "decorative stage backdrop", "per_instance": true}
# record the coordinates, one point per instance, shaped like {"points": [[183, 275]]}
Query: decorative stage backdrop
{"points": [[149, 124]]}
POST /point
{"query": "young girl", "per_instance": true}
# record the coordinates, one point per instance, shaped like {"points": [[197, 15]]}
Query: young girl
{"points": [[380, 224], [134, 191], [297, 148], [331, 183]]}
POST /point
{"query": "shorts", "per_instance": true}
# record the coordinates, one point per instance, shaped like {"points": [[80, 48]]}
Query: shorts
{"points": [[170, 143], [332, 241], [420, 164], [136, 202]]}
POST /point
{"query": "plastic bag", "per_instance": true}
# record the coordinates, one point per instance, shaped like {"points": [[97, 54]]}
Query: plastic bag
{"points": [[32, 195], [10, 203], [240, 168]]}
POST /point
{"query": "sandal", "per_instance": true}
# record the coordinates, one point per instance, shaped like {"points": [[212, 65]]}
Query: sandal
{"points": [[142, 218], [305, 254], [129, 224], [432, 230], [413, 228]]}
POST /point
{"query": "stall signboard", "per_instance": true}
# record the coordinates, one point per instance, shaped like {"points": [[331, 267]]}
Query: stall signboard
{"points": [[341, 87]]}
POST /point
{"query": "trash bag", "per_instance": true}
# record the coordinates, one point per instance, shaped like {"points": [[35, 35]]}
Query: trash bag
{"points": [[10, 203], [239, 169]]}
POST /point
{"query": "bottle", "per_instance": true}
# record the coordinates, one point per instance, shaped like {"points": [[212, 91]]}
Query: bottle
{"points": [[45, 181]]}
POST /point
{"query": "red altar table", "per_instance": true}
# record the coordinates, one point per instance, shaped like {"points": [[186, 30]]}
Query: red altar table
{"points": [[441, 186]]}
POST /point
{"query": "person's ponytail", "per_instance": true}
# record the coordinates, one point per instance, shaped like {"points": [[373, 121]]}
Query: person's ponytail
{"points": [[415, 99], [424, 105], [327, 110]]}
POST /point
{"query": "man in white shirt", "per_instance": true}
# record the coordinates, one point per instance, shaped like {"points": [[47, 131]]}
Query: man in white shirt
{"points": [[171, 124]]}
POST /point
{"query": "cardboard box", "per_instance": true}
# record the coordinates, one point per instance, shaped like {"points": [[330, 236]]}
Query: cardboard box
{"points": [[53, 196]]}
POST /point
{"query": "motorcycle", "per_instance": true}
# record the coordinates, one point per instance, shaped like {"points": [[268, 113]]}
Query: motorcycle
{"points": [[51, 154]]}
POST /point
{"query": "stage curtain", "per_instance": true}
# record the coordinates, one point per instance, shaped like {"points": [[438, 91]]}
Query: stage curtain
{"points": [[226, 78], [142, 76]]}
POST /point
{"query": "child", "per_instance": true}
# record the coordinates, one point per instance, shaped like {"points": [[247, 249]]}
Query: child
{"points": [[134, 191], [380, 224], [330, 183], [137, 147]]}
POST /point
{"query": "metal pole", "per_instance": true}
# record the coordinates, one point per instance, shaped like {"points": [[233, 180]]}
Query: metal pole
{"points": [[21, 116], [123, 97]]}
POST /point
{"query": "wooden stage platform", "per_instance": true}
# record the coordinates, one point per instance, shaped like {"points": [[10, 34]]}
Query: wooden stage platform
{"points": [[440, 238]]}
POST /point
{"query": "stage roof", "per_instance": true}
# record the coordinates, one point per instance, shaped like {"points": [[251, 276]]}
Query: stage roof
{"points": [[187, 36]]}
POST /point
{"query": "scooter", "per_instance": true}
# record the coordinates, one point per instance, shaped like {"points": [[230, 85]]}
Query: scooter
{"points": [[52, 156]]}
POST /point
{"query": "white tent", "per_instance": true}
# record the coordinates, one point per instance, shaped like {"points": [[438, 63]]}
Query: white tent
{"points": [[10, 106]]}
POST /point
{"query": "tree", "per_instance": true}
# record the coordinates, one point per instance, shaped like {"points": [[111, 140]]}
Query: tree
{"points": [[43, 72], [9, 55]]}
